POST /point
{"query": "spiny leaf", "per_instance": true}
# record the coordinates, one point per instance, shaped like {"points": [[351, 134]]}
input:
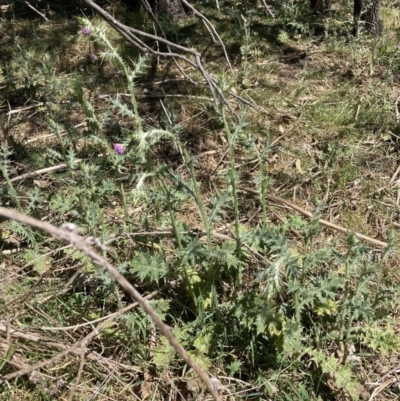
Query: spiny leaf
{"points": [[148, 266]]}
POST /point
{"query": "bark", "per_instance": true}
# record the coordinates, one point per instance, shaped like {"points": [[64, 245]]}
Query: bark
{"points": [[371, 18], [366, 11], [369, 14], [320, 8], [170, 9]]}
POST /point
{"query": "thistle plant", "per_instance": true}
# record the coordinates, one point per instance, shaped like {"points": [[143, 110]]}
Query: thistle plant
{"points": [[98, 34], [262, 181], [231, 138], [119, 148], [5, 153]]}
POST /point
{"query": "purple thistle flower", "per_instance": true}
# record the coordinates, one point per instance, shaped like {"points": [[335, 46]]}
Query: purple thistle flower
{"points": [[119, 148], [85, 31]]}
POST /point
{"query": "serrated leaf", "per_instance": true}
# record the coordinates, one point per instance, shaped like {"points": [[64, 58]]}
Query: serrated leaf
{"points": [[235, 366], [203, 340], [292, 337], [149, 267], [201, 359], [39, 262], [344, 379], [326, 308], [163, 354], [383, 339], [329, 364]]}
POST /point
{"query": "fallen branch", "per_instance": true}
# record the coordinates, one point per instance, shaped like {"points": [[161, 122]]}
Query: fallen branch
{"points": [[133, 35], [324, 223], [20, 109], [42, 171], [36, 11], [69, 235], [90, 323], [268, 9], [211, 30], [77, 348]]}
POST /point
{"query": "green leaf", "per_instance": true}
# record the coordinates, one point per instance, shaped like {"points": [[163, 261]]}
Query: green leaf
{"points": [[201, 359], [292, 338], [149, 267], [345, 380], [39, 262], [329, 364], [163, 354], [383, 339], [235, 367], [203, 341]]}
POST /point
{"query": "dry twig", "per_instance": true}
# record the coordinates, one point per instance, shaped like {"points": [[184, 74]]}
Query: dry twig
{"points": [[325, 223], [94, 356], [133, 36], [42, 171], [84, 246]]}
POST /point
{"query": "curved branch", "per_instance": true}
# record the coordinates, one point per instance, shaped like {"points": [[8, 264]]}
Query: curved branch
{"points": [[130, 34], [211, 29]]}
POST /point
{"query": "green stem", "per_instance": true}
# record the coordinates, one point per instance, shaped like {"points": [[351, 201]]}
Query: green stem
{"points": [[149, 169], [197, 194], [233, 183], [177, 234], [263, 186], [11, 189], [297, 307], [345, 297], [123, 199]]}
